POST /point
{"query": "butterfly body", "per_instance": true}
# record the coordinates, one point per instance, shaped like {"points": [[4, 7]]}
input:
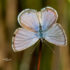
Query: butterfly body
{"points": [[38, 25]]}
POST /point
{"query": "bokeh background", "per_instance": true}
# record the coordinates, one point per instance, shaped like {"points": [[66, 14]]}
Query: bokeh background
{"points": [[56, 58]]}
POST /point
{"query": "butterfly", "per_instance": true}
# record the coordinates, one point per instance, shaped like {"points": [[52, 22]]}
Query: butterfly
{"points": [[38, 25]]}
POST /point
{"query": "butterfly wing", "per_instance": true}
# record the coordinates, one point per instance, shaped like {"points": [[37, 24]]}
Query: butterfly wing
{"points": [[23, 39], [28, 19], [56, 35], [49, 17]]}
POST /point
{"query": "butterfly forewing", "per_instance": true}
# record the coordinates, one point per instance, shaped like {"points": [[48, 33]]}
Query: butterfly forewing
{"points": [[28, 19], [23, 39], [56, 35]]}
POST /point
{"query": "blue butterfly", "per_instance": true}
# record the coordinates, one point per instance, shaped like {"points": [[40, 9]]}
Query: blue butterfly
{"points": [[38, 25]]}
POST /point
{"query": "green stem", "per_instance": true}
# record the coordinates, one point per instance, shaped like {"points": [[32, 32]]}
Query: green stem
{"points": [[39, 55]]}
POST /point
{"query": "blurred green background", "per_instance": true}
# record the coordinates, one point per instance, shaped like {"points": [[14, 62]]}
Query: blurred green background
{"points": [[56, 59]]}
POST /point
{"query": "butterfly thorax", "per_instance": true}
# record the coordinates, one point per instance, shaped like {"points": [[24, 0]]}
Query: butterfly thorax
{"points": [[39, 33]]}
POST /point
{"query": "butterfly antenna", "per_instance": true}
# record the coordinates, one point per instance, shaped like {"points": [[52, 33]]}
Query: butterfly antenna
{"points": [[50, 48], [37, 44]]}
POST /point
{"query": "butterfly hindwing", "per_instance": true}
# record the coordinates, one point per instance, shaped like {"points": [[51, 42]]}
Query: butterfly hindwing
{"points": [[48, 17], [28, 19]]}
